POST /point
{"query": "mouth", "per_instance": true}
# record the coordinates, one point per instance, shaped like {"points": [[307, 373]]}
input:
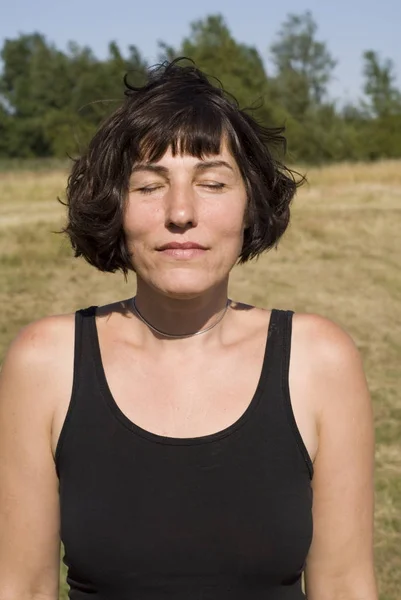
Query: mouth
{"points": [[181, 246], [185, 251]]}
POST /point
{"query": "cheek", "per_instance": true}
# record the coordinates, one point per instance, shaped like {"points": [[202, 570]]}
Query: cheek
{"points": [[229, 220], [139, 221]]}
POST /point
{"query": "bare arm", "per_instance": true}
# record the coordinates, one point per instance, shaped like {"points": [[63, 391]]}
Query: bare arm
{"points": [[340, 562], [29, 505]]}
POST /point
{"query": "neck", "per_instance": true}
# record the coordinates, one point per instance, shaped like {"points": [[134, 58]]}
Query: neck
{"points": [[180, 317]]}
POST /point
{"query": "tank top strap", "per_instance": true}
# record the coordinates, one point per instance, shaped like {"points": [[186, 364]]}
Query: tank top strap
{"points": [[84, 334], [83, 344], [283, 330], [281, 350], [278, 344]]}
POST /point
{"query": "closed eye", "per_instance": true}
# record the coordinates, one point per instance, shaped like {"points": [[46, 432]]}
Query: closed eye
{"points": [[149, 189], [214, 186], [210, 186]]}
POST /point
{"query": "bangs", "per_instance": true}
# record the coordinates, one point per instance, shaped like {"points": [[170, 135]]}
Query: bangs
{"points": [[197, 130]]}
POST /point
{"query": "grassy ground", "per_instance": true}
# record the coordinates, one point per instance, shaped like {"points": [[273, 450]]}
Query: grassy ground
{"points": [[340, 258]]}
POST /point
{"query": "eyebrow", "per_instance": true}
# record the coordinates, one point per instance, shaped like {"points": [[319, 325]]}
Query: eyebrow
{"points": [[200, 166], [211, 164], [150, 168]]}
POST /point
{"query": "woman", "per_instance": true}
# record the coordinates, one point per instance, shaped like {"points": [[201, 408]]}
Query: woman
{"points": [[175, 440]]}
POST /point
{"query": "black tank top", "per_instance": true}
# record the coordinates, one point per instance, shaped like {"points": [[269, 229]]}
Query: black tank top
{"points": [[221, 516]]}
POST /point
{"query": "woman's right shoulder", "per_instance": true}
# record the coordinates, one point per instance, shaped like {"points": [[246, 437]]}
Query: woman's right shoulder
{"points": [[42, 341], [41, 356], [37, 373]]}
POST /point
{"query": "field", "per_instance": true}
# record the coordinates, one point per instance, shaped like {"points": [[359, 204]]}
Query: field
{"points": [[340, 258]]}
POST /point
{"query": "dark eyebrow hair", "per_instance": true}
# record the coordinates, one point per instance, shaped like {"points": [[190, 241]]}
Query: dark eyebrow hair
{"points": [[210, 164], [200, 166], [149, 167]]}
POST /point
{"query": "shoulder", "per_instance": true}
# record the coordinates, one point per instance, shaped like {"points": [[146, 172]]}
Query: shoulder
{"points": [[329, 357], [41, 352], [326, 342], [36, 375], [329, 342], [40, 339]]}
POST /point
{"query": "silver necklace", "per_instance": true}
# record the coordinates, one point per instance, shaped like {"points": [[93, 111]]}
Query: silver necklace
{"points": [[179, 335]]}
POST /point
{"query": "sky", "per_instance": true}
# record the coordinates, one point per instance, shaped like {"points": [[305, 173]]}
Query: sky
{"points": [[347, 26]]}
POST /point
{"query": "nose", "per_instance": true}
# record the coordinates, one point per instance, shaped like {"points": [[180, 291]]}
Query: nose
{"points": [[180, 209]]}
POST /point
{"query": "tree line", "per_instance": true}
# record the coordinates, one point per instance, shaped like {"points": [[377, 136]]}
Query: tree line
{"points": [[51, 101]]}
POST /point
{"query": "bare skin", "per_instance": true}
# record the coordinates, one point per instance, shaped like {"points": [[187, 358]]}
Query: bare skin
{"points": [[328, 388], [190, 405]]}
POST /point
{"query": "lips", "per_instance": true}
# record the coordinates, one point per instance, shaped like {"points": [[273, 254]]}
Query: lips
{"points": [[182, 246], [182, 251]]}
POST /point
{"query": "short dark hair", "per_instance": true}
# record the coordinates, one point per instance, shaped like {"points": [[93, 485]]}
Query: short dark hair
{"points": [[177, 108]]}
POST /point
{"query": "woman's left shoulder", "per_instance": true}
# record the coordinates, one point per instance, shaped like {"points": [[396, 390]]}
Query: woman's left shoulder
{"points": [[333, 364], [324, 339]]}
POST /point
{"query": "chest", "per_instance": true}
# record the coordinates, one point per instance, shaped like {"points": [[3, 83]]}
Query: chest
{"points": [[184, 396], [196, 395]]}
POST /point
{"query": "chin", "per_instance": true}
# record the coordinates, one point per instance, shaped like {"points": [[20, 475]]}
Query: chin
{"points": [[184, 288]]}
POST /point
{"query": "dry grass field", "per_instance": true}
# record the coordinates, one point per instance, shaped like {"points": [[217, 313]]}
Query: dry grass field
{"points": [[340, 258]]}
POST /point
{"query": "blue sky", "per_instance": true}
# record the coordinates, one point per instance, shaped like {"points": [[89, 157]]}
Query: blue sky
{"points": [[347, 26]]}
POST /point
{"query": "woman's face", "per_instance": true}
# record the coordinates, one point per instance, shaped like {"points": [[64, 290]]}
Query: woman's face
{"points": [[184, 200]]}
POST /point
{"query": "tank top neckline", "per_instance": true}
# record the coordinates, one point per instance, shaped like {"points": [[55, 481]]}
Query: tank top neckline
{"points": [[177, 441]]}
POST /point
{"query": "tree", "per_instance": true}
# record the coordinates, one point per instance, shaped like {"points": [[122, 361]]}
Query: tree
{"points": [[53, 101], [304, 65], [238, 67], [385, 98]]}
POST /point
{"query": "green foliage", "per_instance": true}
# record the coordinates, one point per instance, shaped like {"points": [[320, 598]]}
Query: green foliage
{"points": [[304, 65], [51, 102], [385, 98], [238, 67], [56, 100]]}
